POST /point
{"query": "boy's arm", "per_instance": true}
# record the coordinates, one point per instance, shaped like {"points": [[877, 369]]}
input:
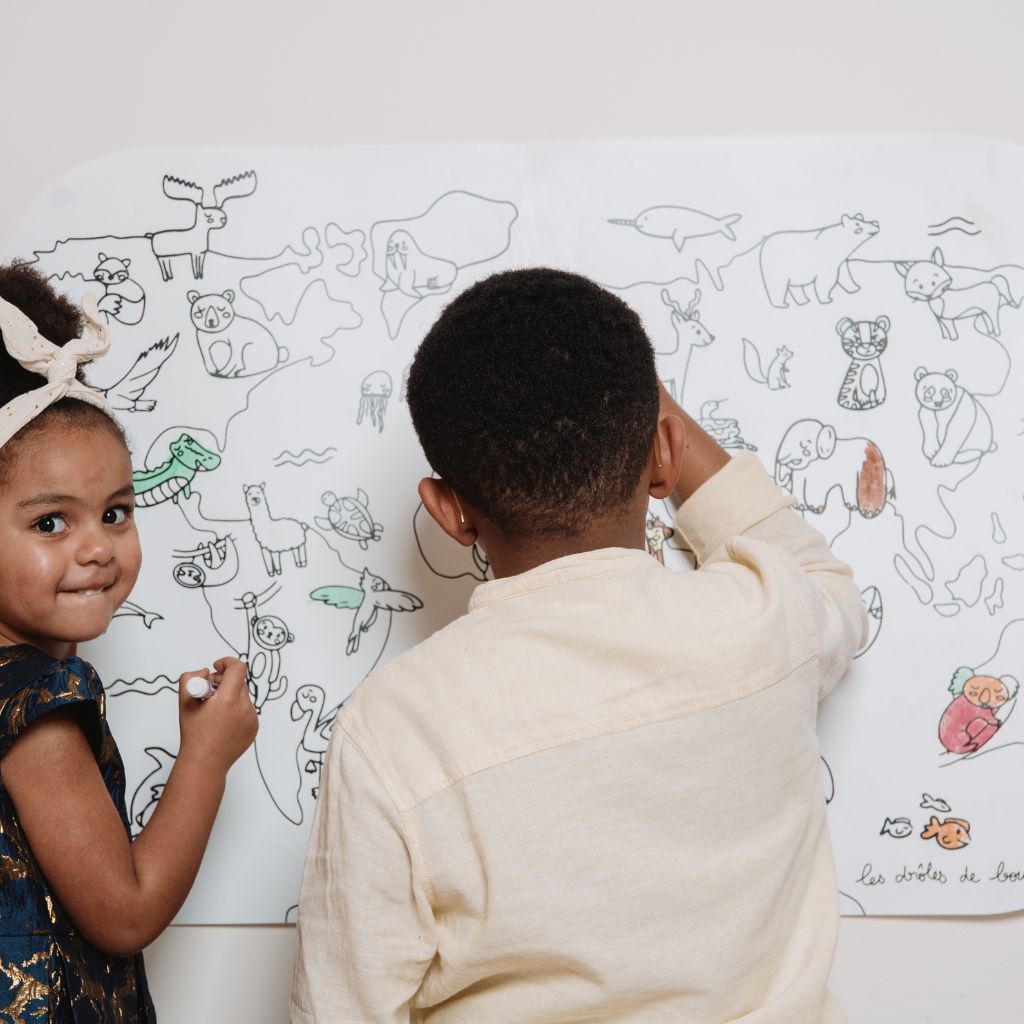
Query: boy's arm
{"points": [[724, 498], [365, 926]]}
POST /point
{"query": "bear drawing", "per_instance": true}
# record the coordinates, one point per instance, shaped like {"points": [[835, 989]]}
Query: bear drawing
{"points": [[954, 426], [231, 345], [793, 261]]}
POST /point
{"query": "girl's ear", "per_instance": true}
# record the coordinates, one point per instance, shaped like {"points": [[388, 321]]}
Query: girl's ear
{"points": [[448, 511], [666, 456]]}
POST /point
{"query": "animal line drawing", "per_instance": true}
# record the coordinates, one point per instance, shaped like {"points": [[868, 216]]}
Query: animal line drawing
{"points": [[775, 377], [794, 261], [419, 257], [350, 518], [934, 803], [194, 241], [274, 536], [930, 282], [310, 703], [372, 595], [210, 564], [374, 393], [898, 828], [724, 429], [231, 345], [125, 394], [149, 791], [863, 341], [689, 331], [123, 299], [171, 479], [812, 461], [680, 224], [955, 428], [266, 636], [129, 609]]}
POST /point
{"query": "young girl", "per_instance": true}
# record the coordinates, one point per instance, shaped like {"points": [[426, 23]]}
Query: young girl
{"points": [[78, 899]]}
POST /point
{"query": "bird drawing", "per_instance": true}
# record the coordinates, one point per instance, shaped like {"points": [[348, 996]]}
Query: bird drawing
{"points": [[372, 595], [125, 395]]}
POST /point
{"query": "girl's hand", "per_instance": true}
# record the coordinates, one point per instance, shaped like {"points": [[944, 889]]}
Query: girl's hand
{"points": [[217, 731]]}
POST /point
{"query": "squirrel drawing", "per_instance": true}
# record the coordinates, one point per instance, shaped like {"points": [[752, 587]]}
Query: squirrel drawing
{"points": [[775, 377]]}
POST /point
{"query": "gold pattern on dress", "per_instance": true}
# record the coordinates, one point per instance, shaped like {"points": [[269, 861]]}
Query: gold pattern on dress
{"points": [[11, 870], [27, 989], [50, 909]]}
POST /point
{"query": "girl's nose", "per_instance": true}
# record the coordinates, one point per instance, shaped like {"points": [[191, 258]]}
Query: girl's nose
{"points": [[95, 545]]}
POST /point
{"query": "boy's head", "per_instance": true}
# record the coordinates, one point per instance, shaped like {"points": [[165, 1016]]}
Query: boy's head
{"points": [[535, 397]]}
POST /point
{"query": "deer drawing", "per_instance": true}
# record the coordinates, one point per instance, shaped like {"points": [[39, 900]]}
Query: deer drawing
{"points": [[690, 332], [194, 241]]}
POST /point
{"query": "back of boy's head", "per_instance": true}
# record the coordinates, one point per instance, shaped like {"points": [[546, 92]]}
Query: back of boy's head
{"points": [[535, 396], [59, 321]]}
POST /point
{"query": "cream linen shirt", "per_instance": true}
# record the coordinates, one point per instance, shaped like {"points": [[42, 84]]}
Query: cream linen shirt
{"points": [[596, 796]]}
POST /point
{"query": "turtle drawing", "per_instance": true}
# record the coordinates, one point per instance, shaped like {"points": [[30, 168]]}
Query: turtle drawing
{"points": [[350, 517]]}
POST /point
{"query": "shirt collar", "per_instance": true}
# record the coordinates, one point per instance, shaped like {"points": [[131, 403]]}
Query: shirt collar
{"points": [[567, 569]]}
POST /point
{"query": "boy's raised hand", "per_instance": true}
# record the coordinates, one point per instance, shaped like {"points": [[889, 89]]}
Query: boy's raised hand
{"points": [[217, 731]]}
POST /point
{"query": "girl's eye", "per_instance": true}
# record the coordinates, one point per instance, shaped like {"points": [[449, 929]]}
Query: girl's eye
{"points": [[53, 523], [117, 515]]}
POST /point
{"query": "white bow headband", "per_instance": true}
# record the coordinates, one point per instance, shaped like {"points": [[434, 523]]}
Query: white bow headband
{"points": [[58, 364]]}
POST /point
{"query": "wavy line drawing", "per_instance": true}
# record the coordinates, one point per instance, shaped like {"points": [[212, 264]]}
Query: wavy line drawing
{"points": [[946, 226], [287, 458], [142, 686]]}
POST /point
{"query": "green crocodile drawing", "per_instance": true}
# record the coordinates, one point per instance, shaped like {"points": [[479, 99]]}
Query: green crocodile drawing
{"points": [[171, 478]]}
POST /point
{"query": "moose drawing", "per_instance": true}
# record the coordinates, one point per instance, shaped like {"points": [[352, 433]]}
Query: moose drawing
{"points": [[194, 241]]}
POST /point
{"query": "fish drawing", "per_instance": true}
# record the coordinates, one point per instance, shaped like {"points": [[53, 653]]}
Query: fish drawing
{"points": [[680, 224], [898, 828], [952, 834], [934, 803]]}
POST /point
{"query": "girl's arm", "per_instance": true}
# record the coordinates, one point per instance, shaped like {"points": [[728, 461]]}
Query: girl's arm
{"points": [[121, 895]]}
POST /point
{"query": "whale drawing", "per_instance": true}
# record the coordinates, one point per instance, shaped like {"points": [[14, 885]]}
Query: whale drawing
{"points": [[680, 224]]}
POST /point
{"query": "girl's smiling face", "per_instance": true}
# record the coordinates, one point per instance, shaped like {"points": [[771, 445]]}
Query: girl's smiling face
{"points": [[70, 548]]}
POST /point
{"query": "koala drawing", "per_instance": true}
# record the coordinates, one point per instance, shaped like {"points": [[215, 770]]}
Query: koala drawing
{"points": [[954, 426], [123, 299], [231, 345]]}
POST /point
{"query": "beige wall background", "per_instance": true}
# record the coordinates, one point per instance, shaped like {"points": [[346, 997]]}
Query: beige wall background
{"points": [[79, 81]]}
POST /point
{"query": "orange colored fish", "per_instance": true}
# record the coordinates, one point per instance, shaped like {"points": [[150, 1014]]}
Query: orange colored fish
{"points": [[952, 834]]}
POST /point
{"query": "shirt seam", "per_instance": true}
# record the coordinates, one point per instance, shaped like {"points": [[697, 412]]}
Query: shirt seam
{"points": [[708, 704], [408, 825]]}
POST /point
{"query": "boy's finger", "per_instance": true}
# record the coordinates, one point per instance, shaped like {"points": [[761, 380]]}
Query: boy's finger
{"points": [[230, 675]]}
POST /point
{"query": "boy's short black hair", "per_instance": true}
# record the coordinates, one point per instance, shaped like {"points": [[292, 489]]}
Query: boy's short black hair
{"points": [[58, 320], [535, 396]]}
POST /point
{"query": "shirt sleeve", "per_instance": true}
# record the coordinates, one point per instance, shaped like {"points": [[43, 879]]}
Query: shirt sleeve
{"points": [[61, 684], [741, 500], [365, 926]]}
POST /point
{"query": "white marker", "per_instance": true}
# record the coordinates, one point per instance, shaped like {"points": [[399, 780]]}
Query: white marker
{"points": [[201, 688]]}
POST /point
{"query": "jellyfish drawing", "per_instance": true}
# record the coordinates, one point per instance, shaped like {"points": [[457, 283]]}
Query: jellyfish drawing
{"points": [[373, 399]]}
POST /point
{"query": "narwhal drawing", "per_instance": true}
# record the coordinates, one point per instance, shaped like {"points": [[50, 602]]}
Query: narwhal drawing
{"points": [[680, 224]]}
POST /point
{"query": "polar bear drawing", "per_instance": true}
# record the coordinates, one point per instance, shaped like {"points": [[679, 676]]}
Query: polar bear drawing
{"points": [[954, 425], [792, 261]]}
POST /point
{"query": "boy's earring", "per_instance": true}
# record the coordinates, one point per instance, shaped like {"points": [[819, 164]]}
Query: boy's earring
{"points": [[458, 507]]}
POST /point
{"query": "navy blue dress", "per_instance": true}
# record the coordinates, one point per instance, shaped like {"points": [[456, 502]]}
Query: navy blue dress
{"points": [[49, 972]]}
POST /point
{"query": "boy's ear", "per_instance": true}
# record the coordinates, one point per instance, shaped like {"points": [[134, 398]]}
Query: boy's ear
{"points": [[448, 511], [666, 455]]}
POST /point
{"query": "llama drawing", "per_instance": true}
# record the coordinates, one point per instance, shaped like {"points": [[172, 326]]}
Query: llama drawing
{"points": [[274, 536], [194, 241]]}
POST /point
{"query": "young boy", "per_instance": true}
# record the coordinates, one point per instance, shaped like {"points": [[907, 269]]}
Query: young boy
{"points": [[596, 796]]}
